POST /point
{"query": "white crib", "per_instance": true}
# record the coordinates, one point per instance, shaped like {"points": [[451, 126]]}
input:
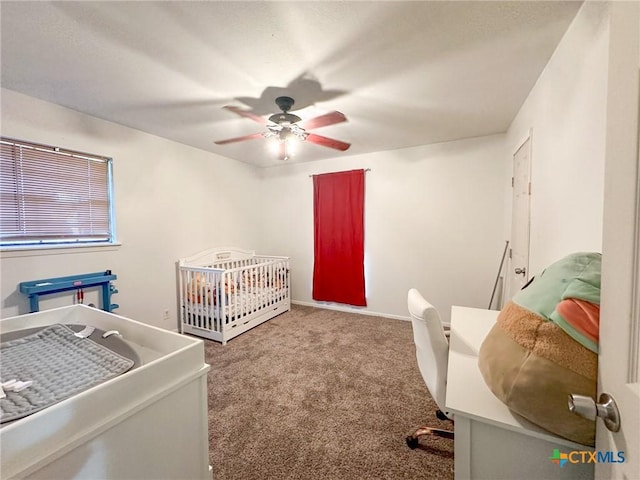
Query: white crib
{"points": [[227, 291]]}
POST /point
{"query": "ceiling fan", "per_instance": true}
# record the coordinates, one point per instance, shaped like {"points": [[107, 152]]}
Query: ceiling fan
{"points": [[285, 127]]}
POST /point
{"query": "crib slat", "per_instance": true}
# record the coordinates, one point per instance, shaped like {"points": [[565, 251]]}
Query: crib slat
{"points": [[226, 295]]}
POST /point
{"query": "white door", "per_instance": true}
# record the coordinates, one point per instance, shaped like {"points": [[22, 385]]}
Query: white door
{"points": [[518, 273], [619, 359]]}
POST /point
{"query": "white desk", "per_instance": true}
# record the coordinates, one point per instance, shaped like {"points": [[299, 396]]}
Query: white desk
{"points": [[491, 441]]}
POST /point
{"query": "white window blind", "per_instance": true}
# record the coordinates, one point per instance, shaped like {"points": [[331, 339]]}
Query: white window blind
{"points": [[51, 195]]}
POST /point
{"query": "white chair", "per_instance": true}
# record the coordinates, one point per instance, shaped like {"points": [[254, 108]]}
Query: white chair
{"points": [[432, 352]]}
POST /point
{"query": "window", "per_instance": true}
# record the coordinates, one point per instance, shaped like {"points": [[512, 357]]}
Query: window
{"points": [[51, 196]]}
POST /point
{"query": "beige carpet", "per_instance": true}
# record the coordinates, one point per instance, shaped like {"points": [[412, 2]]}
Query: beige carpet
{"points": [[319, 394]]}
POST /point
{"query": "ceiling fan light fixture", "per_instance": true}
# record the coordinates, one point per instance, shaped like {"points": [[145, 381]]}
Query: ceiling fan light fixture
{"points": [[284, 118], [297, 132], [283, 147], [274, 145], [287, 132], [272, 132], [290, 147], [284, 129]]}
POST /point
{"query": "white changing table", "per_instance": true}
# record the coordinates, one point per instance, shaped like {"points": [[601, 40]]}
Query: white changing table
{"points": [[150, 422]]}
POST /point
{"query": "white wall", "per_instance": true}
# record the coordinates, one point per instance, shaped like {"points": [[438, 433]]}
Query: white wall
{"points": [[566, 111], [171, 201], [436, 216], [433, 220]]}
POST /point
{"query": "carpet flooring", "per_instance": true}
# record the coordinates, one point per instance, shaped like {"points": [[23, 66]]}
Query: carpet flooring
{"points": [[321, 394]]}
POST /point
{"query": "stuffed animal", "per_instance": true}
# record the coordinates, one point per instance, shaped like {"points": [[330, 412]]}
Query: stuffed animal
{"points": [[229, 286], [197, 288], [544, 346]]}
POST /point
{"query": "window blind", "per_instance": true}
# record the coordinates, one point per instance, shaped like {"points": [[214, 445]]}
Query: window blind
{"points": [[50, 195]]}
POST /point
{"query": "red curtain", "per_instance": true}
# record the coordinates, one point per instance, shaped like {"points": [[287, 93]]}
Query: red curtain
{"points": [[338, 268]]}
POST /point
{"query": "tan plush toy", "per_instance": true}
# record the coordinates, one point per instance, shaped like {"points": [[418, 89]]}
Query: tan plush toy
{"points": [[544, 346], [196, 288]]}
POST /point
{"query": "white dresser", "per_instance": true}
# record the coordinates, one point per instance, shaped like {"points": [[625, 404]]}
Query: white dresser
{"points": [[150, 422], [492, 442]]}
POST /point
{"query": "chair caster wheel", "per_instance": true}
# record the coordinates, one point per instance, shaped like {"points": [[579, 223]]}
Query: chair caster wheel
{"points": [[412, 442], [441, 416]]}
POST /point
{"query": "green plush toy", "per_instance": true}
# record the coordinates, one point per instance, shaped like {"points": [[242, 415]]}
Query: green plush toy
{"points": [[544, 346]]}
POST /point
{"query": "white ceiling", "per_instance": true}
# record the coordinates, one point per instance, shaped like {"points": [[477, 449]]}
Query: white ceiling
{"points": [[404, 73]]}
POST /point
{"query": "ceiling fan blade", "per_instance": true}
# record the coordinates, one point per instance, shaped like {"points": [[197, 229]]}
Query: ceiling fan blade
{"points": [[327, 142], [247, 114], [239, 139], [323, 120]]}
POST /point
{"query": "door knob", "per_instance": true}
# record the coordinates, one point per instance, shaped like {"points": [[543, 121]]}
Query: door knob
{"points": [[606, 409], [520, 271]]}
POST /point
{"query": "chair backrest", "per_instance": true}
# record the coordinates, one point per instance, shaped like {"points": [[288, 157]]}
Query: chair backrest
{"points": [[432, 346]]}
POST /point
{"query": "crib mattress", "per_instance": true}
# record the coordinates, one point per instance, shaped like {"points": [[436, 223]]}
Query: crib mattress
{"points": [[239, 305]]}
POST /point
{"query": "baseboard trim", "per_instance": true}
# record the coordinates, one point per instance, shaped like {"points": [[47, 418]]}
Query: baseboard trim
{"points": [[359, 311]]}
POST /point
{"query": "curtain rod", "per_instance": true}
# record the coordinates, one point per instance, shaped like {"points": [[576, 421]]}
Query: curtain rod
{"points": [[366, 170]]}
